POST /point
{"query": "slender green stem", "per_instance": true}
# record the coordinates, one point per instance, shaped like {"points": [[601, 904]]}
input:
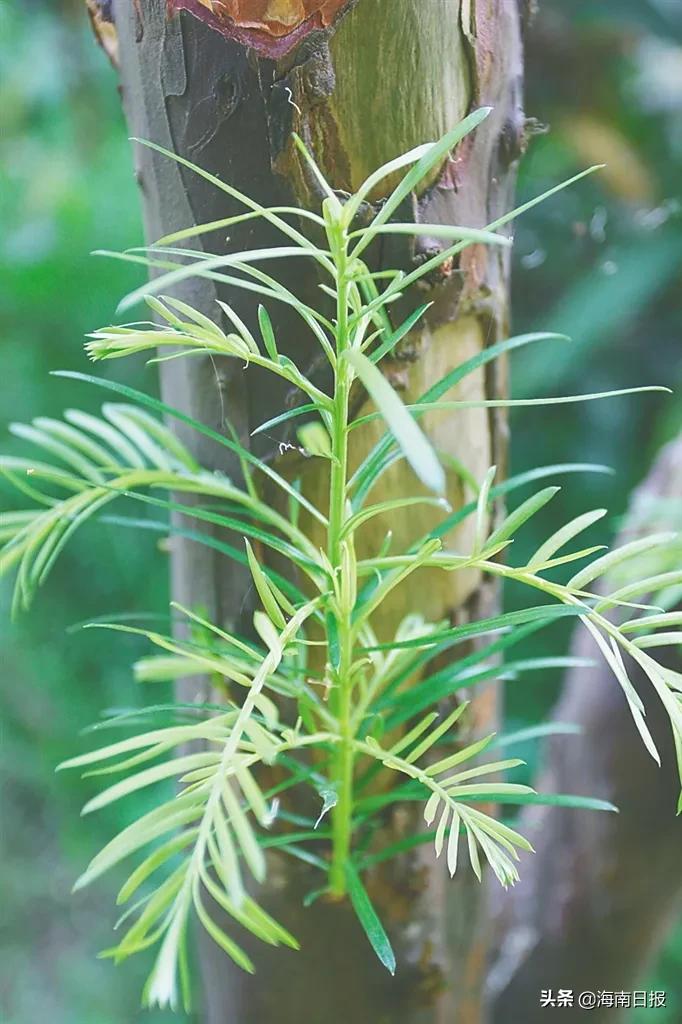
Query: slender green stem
{"points": [[342, 702], [345, 762]]}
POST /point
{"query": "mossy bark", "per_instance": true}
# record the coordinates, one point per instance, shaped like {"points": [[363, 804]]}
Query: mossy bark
{"points": [[384, 76]]}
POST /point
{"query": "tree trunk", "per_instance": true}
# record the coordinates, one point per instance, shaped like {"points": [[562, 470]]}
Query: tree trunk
{"points": [[598, 897], [361, 82]]}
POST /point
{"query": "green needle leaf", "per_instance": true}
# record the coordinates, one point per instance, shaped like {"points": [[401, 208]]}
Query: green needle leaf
{"points": [[417, 448], [367, 916]]}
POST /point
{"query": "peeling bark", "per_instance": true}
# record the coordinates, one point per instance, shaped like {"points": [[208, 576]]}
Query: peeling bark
{"points": [[101, 17], [602, 890], [271, 27], [360, 89]]}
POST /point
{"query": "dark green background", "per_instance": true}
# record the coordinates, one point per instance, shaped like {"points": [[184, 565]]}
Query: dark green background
{"points": [[600, 262]]}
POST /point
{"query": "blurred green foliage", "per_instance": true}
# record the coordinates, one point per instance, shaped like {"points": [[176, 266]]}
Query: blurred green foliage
{"points": [[601, 263], [66, 186]]}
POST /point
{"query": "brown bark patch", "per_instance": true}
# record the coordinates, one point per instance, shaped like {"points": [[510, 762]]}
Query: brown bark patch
{"points": [[271, 27], [102, 21]]}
